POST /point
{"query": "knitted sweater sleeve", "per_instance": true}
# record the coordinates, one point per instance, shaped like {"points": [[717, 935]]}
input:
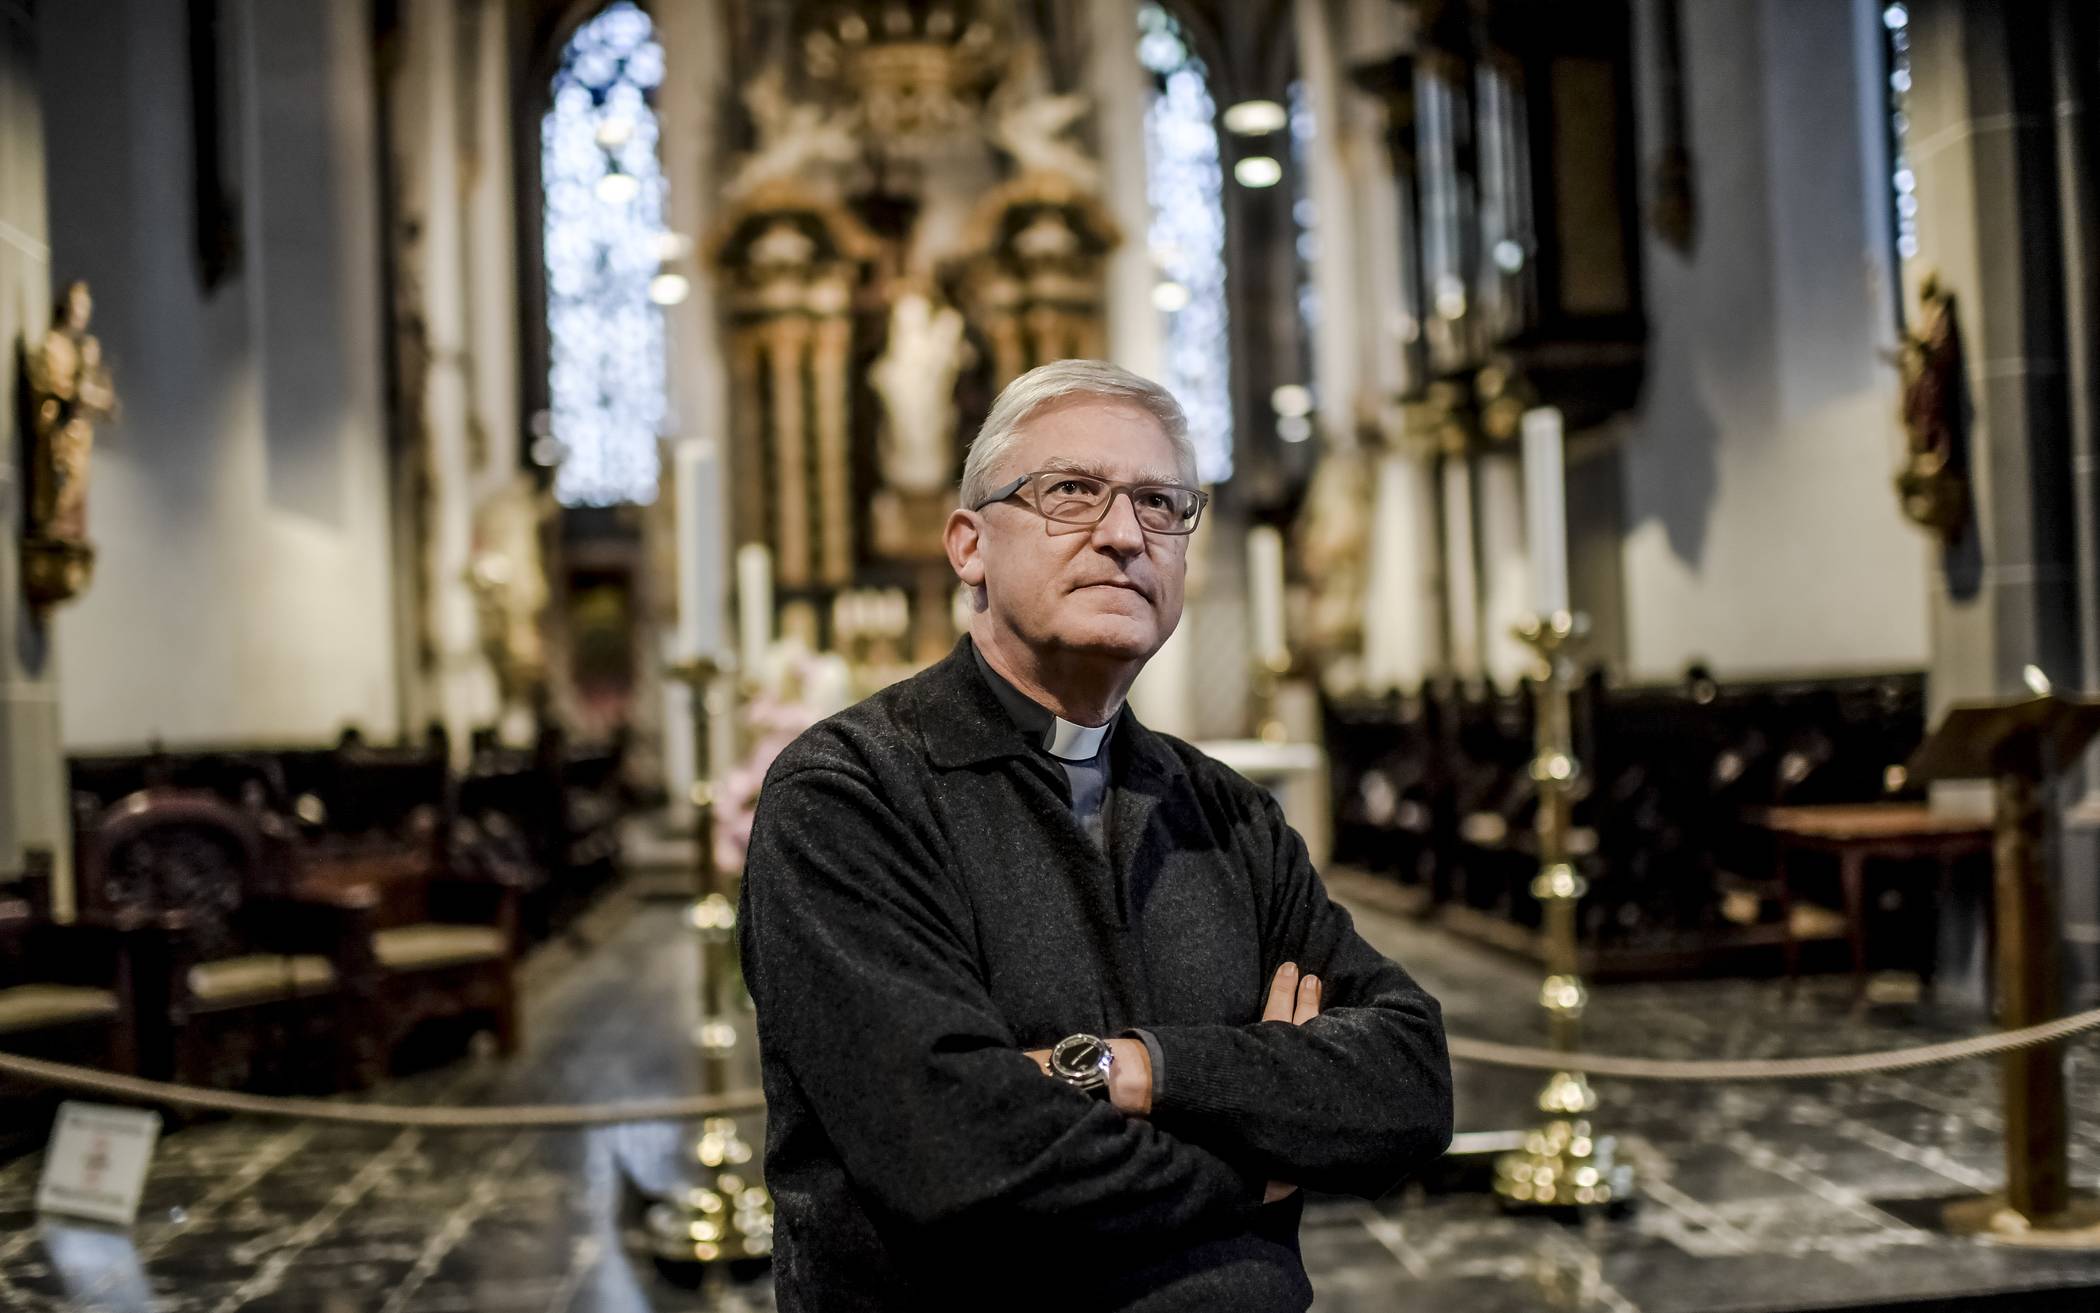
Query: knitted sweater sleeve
{"points": [[858, 956], [1349, 1102]]}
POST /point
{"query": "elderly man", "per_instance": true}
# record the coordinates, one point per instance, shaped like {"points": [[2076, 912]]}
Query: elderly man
{"points": [[1052, 1009]]}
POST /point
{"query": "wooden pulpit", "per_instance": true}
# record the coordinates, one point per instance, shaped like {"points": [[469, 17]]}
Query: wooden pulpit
{"points": [[2021, 747]]}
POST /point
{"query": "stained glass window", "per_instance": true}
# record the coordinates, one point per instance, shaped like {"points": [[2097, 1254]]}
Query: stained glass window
{"points": [[1895, 23], [604, 239], [1185, 184]]}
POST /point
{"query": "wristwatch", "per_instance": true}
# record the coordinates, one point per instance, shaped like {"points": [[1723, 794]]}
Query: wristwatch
{"points": [[1082, 1061]]}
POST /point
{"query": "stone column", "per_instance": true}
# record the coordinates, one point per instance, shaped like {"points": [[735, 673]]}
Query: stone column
{"points": [[32, 756], [445, 147], [1982, 144], [696, 42]]}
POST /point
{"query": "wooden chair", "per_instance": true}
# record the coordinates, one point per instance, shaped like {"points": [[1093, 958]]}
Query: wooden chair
{"points": [[238, 983], [65, 995], [439, 920]]}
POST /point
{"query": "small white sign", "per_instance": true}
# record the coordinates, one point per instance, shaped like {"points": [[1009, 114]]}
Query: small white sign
{"points": [[95, 1166]]}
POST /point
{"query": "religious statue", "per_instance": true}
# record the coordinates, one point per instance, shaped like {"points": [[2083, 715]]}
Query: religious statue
{"points": [[915, 377], [1933, 485], [70, 391], [791, 137], [1032, 128]]}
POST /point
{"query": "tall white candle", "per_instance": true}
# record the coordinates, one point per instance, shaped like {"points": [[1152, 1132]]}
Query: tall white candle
{"points": [[1265, 595], [1461, 569], [703, 550], [754, 606], [1546, 510]]}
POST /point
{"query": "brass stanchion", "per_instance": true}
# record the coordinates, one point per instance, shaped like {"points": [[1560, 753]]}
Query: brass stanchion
{"points": [[1563, 1163], [723, 1214], [2022, 747]]}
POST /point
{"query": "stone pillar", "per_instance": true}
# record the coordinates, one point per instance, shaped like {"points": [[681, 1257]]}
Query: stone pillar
{"points": [[1982, 143], [32, 756], [1164, 694], [443, 146], [696, 39]]}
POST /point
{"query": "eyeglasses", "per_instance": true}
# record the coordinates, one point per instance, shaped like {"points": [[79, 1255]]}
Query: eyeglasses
{"points": [[1070, 498]]}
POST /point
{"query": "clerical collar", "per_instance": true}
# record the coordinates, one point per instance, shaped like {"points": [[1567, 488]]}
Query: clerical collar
{"points": [[1051, 732]]}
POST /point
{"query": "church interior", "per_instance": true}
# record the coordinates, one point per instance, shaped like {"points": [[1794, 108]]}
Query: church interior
{"points": [[1653, 557]]}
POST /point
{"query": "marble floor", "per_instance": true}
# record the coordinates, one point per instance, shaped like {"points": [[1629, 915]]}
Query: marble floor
{"points": [[1751, 1197]]}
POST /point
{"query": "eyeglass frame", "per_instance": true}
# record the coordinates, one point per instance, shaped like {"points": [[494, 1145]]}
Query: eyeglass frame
{"points": [[1115, 489]]}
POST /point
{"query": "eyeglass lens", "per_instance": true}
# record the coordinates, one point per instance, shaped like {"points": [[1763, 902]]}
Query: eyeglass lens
{"points": [[1081, 499]]}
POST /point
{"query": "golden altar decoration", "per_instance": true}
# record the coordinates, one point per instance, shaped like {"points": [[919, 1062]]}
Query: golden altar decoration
{"points": [[1036, 270], [792, 263]]}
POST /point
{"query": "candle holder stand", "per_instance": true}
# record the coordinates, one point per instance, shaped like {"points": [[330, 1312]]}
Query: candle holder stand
{"points": [[1564, 1162], [721, 1213]]}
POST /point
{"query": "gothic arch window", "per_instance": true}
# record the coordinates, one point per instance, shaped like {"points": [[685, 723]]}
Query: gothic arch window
{"points": [[1185, 183], [604, 208]]}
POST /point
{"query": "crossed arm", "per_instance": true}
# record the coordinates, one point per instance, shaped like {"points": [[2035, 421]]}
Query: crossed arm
{"points": [[861, 964], [1293, 998]]}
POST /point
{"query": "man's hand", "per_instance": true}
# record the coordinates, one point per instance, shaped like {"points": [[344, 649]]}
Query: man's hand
{"points": [[1295, 999], [1292, 998]]}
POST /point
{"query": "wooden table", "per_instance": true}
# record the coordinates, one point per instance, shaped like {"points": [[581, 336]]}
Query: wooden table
{"points": [[1856, 833]]}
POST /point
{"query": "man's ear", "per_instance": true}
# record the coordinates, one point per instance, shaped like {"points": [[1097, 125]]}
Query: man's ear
{"points": [[964, 538]]}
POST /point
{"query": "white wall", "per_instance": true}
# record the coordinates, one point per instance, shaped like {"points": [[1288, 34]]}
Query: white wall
{"points": [[1762, 533], [239, 501]]}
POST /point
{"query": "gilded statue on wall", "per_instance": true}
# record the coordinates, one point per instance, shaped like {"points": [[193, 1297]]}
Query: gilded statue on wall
{"points": [[1933, 486], [70, 391]]}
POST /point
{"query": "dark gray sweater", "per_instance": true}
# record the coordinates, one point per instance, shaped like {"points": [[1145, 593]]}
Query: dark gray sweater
{"points": [[920, 906]]}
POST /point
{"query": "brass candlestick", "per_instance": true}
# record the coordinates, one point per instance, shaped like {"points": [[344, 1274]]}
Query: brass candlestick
{"points": [[1564, 1163], [723, 1214]]}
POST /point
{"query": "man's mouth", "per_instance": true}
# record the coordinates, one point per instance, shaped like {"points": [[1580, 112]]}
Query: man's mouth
{"points": [[1124, 584]]}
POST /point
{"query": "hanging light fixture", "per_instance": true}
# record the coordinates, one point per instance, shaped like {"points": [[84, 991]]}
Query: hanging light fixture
{"points": [[1255, 118], [1257, 171]]}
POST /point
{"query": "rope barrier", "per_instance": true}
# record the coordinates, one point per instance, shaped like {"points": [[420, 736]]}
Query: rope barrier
{"points": [[1744, 1069], [734, 1102], [538, 1116]]}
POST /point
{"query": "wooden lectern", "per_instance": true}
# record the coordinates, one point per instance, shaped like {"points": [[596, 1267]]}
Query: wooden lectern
{"points": [[2021, 747]]}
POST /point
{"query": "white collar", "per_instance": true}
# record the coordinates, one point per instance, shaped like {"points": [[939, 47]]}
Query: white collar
{"points": [[1069, 742]]}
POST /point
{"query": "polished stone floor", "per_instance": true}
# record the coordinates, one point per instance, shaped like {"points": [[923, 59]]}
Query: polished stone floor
{"points": [[1752, 1197]]}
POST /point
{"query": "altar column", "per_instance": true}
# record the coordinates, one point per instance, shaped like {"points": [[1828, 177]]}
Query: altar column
{"points": [[32, 754]]}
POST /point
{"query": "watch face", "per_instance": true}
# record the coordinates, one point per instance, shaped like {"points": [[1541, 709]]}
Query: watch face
{"points": [[1078, 1056]]}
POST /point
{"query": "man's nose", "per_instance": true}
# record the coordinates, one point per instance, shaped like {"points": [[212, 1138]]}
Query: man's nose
{"points": [[1118, 530]]}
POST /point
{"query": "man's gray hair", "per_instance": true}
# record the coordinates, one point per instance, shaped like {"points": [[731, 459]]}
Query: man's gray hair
{"points": [[1061, 380]]}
